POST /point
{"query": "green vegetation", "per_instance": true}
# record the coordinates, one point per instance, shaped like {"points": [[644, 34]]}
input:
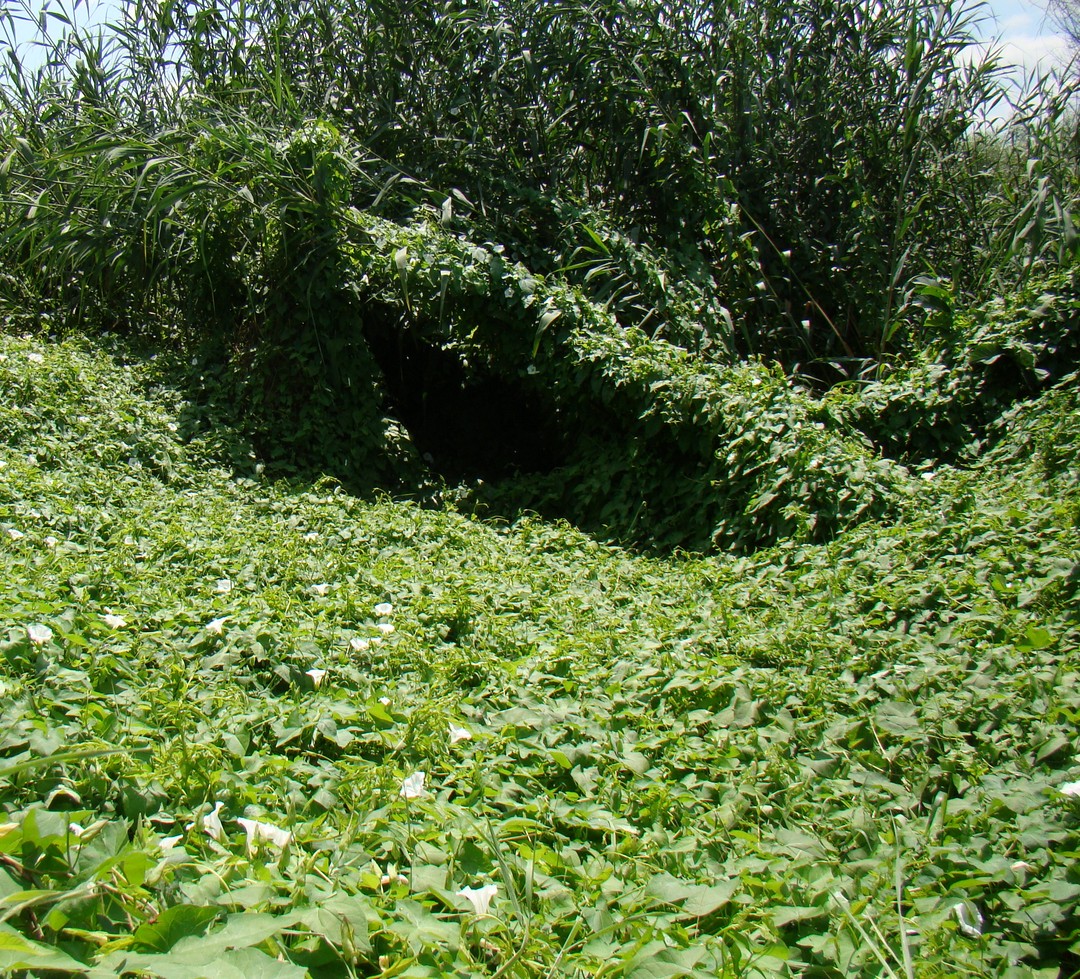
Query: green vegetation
{"points": [[530, 489], [684, 766], [421, 243]]}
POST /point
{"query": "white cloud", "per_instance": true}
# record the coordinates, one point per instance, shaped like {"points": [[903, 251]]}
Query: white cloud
{"points": [[1025, 43], [1030, 52], [1024, 37]]}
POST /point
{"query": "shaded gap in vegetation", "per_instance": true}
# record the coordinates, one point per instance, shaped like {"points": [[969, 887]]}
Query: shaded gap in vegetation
{"points": [[467, 421]]}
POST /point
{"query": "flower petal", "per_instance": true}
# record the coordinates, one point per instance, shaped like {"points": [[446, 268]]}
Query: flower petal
{"points": [[413, 786], [969, 919], [479, 897], [258, 831], [384, 609], [211, 824], [38, 634]]}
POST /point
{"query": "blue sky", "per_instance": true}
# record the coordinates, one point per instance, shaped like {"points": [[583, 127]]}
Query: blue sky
{"points": [[1022, 26], [1029, 37]]}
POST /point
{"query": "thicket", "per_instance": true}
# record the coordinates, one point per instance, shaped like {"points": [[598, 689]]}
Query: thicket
{"points": [[764, 279], [856, 758], [602, 260]]}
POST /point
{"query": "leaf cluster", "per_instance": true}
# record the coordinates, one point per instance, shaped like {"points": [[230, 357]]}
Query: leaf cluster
{"points": [[766, 179], [838, 757]]}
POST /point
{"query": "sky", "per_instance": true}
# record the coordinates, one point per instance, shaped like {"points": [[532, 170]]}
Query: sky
{"points": [[1030, 39], [1028, 36]]}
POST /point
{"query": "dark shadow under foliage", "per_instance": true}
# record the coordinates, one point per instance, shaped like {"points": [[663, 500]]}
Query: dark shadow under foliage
{"points": [[467, 423], [633, 442]]}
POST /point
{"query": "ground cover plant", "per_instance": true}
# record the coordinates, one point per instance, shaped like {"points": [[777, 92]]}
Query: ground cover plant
{"points": [[253, 728], [535, 489]]}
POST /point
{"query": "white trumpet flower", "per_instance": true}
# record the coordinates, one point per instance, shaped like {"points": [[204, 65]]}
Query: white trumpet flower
{"points": [[479, 897], [413, 786]]}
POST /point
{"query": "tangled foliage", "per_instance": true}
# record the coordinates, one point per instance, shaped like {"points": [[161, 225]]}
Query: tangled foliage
{"points": [[946, 405], [220, 690], [616, 243]]}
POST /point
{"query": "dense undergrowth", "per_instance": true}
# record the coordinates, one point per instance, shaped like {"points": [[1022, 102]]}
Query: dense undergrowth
{"points": [[588, 266], [849, 758], [531, 489]]}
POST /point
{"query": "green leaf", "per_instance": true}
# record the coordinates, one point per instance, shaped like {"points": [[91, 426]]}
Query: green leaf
{"points": [[173, 924], [414, 922], [245, 963], [1036, 637], [698, 900], [18, 952], [1052, 747], [785, 916], [244, 929], [656, 961]]}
